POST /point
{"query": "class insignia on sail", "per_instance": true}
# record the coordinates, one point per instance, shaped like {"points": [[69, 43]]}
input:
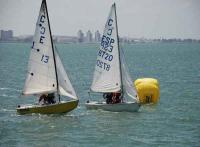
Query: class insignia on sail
{"points": [[111, 77], [46, 76]]}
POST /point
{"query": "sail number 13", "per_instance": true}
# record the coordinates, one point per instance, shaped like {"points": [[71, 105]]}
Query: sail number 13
{"points": [[45, 58]]}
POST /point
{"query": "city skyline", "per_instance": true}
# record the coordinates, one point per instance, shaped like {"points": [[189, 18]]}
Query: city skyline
{"points": [[87, 37], [136, 19]]}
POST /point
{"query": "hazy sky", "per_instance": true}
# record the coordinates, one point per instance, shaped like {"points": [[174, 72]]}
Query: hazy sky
{"points": [[136, 18]]}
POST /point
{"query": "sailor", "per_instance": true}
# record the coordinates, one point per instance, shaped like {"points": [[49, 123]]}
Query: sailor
{"points": [[43, 99], [47, 99], [116, 97], [108, 97], [51, 98]]}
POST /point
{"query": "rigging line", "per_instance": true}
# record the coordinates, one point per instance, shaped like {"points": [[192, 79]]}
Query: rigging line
{"points": [[122, 91], [44, 2]]}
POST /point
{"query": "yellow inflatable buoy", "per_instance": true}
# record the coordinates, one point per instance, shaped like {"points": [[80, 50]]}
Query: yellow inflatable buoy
{"points": [[148, 90]]}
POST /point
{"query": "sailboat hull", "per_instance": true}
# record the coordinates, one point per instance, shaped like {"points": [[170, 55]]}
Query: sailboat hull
{"points": [[62, 107], [119, 107]]}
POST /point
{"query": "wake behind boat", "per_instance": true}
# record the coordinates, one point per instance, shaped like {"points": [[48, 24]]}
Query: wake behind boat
{"points": [[111, 77], [46, 74]]}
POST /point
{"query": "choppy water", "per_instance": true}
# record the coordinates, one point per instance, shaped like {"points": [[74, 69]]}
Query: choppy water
{"points": [[175, 121]]}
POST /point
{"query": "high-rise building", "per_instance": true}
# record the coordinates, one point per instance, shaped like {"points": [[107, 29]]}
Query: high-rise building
{"points": [[88, 36], [97, 36], [6, 35], [80, 36]]}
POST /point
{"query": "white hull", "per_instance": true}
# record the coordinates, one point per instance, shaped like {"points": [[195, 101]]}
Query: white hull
{"points": [[119, 107]]}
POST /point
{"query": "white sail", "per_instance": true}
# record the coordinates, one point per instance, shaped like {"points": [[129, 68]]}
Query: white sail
{"points": [[127, 81], [41, 75], [107, 70], [65, 86]]}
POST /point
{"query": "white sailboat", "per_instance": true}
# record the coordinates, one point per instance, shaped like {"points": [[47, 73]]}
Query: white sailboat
{"points": [[46, 73], [111, 74]]}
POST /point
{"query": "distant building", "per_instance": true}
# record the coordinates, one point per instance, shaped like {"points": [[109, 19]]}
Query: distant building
{"points": [[80, 36], [97, 36], [88, 36], [66, 39], [23, 38], [6, 35]]}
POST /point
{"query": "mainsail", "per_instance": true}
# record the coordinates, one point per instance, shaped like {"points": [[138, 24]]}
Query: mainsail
{"points": [[111, 73], [107, 70], [46, 73], [41, 76]]}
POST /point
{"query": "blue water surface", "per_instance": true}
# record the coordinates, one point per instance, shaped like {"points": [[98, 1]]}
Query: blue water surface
{"points": [[174, 121]]}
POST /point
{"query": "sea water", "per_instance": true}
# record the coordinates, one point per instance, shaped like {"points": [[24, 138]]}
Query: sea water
{"points": [[174, 121]]}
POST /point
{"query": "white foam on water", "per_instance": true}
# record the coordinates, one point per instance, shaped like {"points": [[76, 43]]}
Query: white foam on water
{"points": [[6, 110], [5, 95], [10, 89]]}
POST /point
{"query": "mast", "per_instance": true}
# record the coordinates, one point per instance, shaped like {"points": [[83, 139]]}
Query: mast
{"points": [[120, 67], [44, 1]]}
